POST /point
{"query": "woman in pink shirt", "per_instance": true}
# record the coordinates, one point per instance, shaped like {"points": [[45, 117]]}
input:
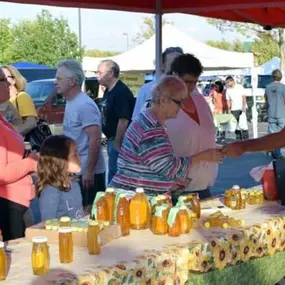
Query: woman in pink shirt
{"points": [[16, 185]]}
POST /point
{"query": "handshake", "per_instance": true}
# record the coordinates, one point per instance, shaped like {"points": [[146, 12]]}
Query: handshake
{"points": [[218, 154]]}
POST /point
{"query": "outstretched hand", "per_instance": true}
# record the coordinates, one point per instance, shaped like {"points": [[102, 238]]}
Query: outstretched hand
{"points": [[233, 150]]}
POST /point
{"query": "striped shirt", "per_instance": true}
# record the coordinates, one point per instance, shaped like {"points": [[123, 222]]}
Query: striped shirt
{"points": [[147, 159]]}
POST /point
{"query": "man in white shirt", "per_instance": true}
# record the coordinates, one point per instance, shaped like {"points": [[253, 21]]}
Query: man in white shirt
{"points": [[236, 101], [82, 123], [144, 94]]}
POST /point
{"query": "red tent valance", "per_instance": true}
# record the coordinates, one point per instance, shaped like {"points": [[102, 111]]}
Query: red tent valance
{"points": [[268, 12]]}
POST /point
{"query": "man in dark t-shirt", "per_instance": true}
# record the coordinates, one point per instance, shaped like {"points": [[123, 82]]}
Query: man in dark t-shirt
{"points": [[117, 109]]}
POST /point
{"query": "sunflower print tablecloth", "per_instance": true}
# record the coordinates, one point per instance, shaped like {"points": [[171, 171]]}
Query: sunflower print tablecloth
{"points": [[143, 258]]}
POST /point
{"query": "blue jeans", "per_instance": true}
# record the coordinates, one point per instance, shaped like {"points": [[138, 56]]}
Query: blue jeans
{"points": [[275, 125], [113, 156]]}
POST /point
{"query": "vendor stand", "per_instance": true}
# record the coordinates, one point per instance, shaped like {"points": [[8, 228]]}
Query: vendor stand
{"points": [[252, 254]]}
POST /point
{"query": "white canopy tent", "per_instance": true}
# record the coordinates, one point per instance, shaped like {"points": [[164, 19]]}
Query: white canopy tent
{"points": [[142, 57]]}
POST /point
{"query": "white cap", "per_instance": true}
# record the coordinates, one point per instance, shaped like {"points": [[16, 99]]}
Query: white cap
{"points": [[139, 190], [39, 239], [1, 244], [65, 230], [236, 187], [110, 190]]}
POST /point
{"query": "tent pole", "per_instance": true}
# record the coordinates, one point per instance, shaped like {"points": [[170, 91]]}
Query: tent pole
{"points": [[158, 39], [254, 83]]}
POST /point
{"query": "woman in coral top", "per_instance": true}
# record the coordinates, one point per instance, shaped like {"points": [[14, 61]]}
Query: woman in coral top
{"points": [[16, 186]]}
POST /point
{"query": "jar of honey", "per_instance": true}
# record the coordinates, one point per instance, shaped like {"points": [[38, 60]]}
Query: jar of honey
{"points": [[139, 211], [159, 224], [228, 198], [235, 199], [153, 203], [93, 238], [110, 199], [174, 226], [185, 220], [123, 213], [195, 202], [3, 262], [242, 199], [65, 222], [100, 211], [194, 220], [65, 245], [40, 256]]}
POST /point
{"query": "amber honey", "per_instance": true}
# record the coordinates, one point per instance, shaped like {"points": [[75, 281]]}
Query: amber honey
{"points": [[3, 262], [93, 238], [185, 220], [174, 225], [65, 245], [159, 224], [110, 199], [40, 256], [123, 214], [65, 222]]}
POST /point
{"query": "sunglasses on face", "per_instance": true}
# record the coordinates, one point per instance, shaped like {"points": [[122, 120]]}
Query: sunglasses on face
{"points": [[178, 102], [4, 79]]}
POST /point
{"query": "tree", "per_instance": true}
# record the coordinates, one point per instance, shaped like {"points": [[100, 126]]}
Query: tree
{"points": [[6, 39], [45, 40], [100, 53], [225, 45], [148, 29], [267, 42]]}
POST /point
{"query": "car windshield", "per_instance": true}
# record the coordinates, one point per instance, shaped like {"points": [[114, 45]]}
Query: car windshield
{"points": [[263, 81], [40, 90]]}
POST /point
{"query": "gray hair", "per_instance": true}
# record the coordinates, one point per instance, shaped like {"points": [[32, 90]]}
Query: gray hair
{"points": [[74, 68], [114, 67], [167, 86]]}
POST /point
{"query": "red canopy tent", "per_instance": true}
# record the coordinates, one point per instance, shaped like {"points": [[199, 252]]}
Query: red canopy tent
{"points": [[268, 12]]}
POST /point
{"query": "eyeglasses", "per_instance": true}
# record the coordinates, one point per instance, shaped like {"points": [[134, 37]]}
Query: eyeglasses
{"points": [[178, 102], [4, 79]]}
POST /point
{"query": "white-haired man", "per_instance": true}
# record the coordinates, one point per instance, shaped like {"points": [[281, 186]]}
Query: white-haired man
{"points": [[82, 123]]}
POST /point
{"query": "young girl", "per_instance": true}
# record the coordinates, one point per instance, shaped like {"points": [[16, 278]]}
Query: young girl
{"points": [[59, 194]]}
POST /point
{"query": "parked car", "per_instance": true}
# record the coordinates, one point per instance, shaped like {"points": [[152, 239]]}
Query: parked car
{"points": [[49, 104]]}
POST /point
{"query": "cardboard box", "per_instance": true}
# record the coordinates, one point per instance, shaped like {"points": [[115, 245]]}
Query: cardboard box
{"points": [[79, 238]]}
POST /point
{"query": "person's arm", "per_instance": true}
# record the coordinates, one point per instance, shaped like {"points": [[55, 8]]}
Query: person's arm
{"points": [[228, 99], [269, 142], [11, 172], [90, 118], [27, 125], [49, 202], [123, 111]]}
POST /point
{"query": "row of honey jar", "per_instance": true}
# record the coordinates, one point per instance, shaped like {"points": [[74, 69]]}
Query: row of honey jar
{"points": [[237, 198], [137, 213]]}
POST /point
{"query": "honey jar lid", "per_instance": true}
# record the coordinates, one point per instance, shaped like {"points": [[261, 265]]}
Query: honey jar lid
{"points": [[110, 190], [93, 223], [65, 230], [39, 239], [65, 219], [139, 190], [235, 187], [1, 244]]}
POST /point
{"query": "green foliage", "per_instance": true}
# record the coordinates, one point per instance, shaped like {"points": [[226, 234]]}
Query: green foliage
{"points": [[100, 53], [148, 29], [45, 40], [225, 45], [267, 44]]}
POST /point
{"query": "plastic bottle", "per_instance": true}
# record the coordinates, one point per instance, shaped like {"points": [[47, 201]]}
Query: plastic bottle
{"points": [[185, 220], [110, 199], [139, 211], [65, 245], [195, 201], [93, 239], [122, 209], [100, 208]]}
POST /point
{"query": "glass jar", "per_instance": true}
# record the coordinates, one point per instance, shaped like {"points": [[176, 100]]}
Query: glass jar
{"points": [[3, 262], [195, 201], [251, 198], [194, 220], [242, 199], [110, 199], [235, 200], [228, 198], [93, 238], [123, 214], [159, 224], [100, 210], [65, 245], [139, 211], [65, 222], [40, 256], [185, 221], [174, 226]]}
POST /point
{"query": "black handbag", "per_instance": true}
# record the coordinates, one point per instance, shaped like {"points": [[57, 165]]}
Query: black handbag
{"points": [[279, 169], [37, 136]]}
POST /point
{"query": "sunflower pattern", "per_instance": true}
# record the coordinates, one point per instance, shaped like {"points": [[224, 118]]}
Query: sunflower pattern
{"points": [[172, 264]]}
